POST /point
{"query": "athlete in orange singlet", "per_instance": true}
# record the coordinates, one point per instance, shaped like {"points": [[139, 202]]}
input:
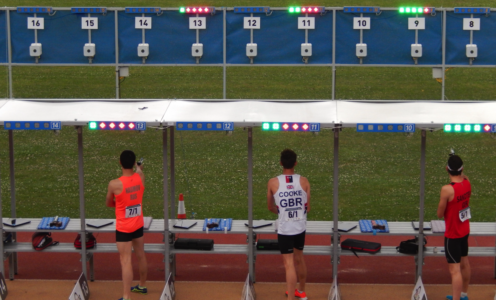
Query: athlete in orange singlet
{"points": [[126, 195]]}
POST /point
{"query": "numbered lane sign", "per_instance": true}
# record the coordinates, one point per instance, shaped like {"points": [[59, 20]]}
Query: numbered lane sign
{"points": [[251, 23], [361, 23], [306, 23], [36, 23], [55, 125], [416, 23], [228, 126], [140, 126], [89, 23], [198, 23], [471, 24], [143, 23]]}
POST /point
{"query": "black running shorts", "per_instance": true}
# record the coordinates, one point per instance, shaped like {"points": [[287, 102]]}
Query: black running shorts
{"points": [[289, 242], [128, 236], [455, 249]]}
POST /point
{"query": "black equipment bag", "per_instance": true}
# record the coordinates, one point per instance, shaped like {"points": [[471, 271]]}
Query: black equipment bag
{"points": [[410, 246], [267, 245], [194, 244], [361, 246]]}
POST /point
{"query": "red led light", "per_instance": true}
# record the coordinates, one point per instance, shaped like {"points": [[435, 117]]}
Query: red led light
{"points": [[295, 126], [303, 9], [200, 9], [194, 9], [112, 125], [102, 125], [188, 9], [426, 10], [305, 127], [316, 9], [487, 128], [121, 125], [131, 125], [285, 126], [206, 9]]}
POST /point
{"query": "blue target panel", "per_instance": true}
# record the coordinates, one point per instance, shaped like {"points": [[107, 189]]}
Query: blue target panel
{"points": [[89, 10], [32, 125], [116, 125], [252, 10], [205, 126], [290, 126], [362, 9], [35, 9], [472, 10], [385, 127], [143, 10]]}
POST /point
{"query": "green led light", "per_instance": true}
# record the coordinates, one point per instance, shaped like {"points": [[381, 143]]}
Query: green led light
{"points": [[182, 10], [458, 127], [420, 10], [297, 9], [477, 128], [291, 9], [265, 126], [92, 125], [414, 9], [276, 126], [402, 10], [467, 128], [447, 128], [407, 9]]}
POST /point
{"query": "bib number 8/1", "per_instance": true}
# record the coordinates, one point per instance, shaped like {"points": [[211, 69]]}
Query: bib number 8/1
{"points": [[464, 214], [133, 211]]}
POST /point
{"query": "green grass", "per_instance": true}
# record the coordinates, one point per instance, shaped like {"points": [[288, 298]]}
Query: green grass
{"points": [[379, 173]]}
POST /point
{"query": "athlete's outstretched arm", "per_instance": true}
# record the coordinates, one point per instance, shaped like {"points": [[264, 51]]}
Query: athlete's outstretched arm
{"points": [[270, 195], [139, 170], [109, 201], [446, 192]]}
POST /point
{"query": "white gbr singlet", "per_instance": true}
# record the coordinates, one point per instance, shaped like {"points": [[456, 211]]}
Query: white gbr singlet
{"points": [[291, 201]]}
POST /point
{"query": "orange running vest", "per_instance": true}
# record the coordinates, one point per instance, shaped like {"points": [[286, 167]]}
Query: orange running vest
{"points": [[455, 228], [131, 195]]}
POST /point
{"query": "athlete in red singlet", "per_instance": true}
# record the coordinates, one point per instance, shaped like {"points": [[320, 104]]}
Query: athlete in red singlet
{"points": [[128, 193], [454, 207]]}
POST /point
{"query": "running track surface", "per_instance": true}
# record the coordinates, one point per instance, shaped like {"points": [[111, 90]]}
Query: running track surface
{"points": [[203, 266]]}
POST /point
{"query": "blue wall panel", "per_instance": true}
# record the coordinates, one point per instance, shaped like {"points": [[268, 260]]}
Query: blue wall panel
{"points": [[170, 39], [388, 39], [279, 39], [457, 39], [3, 37], [62, 39]]}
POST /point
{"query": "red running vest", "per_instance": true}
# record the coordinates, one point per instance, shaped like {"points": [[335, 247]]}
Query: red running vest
{"points": [[132, 194], [455, 228]]}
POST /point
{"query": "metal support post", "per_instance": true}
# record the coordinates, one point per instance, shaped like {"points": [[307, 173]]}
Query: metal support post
{"points": [[335, 207], [2, 269], [251, 260], [333, 96], [117, 72], [166, 202], [420, 255], [443, 85], [9, 49], [172, 175], [13, 215], [81, 199]]}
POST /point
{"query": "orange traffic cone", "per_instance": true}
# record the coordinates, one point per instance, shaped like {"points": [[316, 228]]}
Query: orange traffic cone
{"points": [[181, 210]]}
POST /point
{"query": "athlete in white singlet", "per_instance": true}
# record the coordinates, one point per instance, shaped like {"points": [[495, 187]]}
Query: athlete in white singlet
{"points": [[288, 195]]}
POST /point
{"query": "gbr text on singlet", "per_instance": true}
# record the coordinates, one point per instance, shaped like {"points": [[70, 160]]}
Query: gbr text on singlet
{"points": [[290, 202], [133, 189]]}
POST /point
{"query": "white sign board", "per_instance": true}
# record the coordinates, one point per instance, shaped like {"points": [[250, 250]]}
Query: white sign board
{"points": [[251, 23], [471, 24], [89, 23], [416, 23], [419, 291], [81, 290], [36, 23], [198, 23], [306, 22], [361, 23], [169, 292]]}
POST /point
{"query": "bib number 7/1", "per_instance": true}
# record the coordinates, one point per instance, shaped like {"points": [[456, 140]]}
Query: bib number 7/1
{"points": [[464, 214], [133, 211]]}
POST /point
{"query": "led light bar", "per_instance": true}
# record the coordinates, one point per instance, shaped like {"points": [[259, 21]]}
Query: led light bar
{"points": [[205, 126], [469, 128], [472, 10], [290, 126], [362, 9], [143, 10], [32, 125], [197, 10], [107, 125], [35, 9], [89, 10], [385, 127], [306, 9], [417, 10], [252, 9]]}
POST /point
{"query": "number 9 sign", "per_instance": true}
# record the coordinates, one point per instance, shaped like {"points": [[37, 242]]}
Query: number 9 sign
{"points": [[416, 23]]}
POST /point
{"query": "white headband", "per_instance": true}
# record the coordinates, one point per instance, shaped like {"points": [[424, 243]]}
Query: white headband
{"points": [[461, 168]]}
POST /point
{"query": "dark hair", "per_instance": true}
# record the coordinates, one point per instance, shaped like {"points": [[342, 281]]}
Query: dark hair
{"points": [[288, 158], [128, 158], [455, 165]]}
